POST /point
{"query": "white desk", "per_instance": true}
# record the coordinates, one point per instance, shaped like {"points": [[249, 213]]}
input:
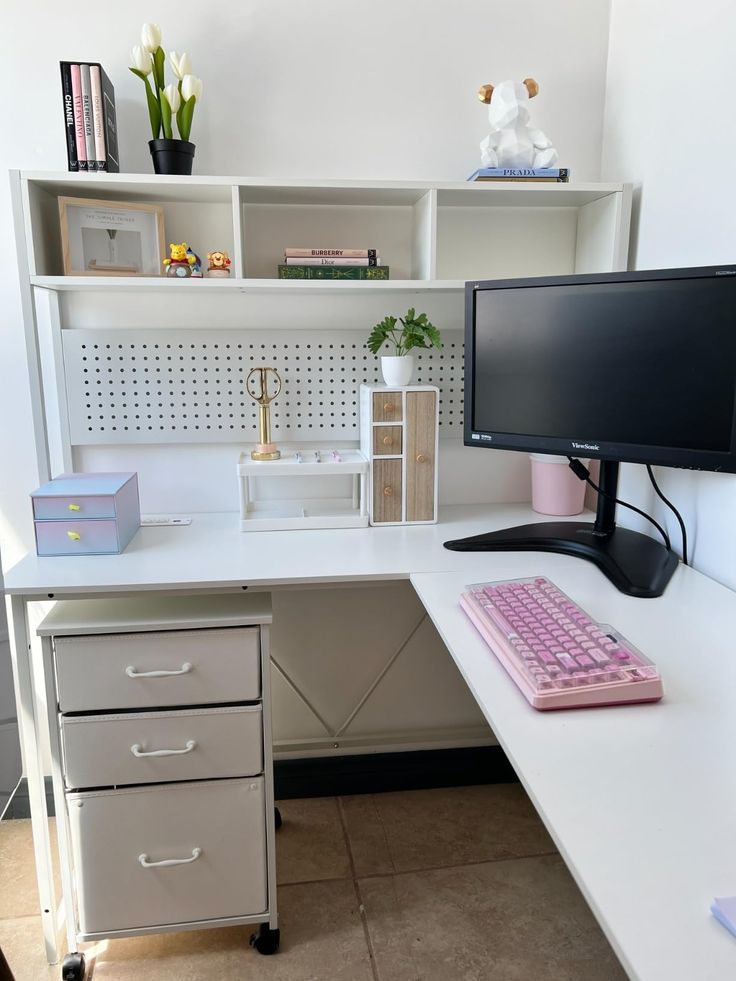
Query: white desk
{"points": [[640, 800]]}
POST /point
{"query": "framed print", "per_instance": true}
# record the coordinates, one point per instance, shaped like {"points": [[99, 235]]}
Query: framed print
{"points": [[111, 238]]}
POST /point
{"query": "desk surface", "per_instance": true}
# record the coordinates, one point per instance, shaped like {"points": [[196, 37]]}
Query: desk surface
{"points": [[213, 553], [640, 800]]}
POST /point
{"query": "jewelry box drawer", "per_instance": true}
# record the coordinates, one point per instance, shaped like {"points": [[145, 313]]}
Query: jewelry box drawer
{"points": [[69, 508], [387, 440], [154, 670], [155, 747], [78, 537], [386, 491], [172, 854], [387, 407]]}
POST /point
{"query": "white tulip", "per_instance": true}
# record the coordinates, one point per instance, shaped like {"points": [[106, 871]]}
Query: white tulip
{"points": [[151, 37], [191, 86], [171, 93], [141, 59], [181, 64]]}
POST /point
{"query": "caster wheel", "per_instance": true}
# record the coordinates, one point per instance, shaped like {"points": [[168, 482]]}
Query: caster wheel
{"points": [[277, 818], [265, 940], [73, 967]]}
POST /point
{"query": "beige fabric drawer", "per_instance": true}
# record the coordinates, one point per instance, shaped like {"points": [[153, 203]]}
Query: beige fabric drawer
{"points": [[193, 744], [152, 670], [214, 831]]}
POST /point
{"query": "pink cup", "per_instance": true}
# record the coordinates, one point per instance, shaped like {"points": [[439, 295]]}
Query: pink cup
{"points": [[555, 488]]}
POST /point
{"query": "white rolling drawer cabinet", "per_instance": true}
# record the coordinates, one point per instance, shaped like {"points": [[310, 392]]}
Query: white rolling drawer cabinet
{"points": [[160, 729]]}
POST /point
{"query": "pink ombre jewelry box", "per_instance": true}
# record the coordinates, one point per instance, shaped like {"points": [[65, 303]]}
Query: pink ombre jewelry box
{"points": [[86, 513]]}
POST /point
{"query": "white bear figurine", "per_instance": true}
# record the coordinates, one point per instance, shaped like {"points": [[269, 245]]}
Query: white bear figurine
{"points": [[512, 142]]}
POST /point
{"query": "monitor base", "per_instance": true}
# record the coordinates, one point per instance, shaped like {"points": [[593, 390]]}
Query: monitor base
{"points": [[636, 564]]}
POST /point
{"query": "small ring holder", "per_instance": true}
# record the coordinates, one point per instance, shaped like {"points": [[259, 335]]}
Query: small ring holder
{"points": [[257, 386]]}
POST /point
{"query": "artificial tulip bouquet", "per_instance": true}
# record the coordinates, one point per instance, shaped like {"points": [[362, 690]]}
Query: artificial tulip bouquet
{"points": [[167, 102]]}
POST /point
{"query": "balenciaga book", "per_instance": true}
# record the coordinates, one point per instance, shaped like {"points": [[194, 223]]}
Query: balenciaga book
{"points": [[332, 272], [344, 253], [560, 175]]}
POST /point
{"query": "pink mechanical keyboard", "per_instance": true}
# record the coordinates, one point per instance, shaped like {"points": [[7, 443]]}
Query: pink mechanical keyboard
{"points": [[557, 655]]}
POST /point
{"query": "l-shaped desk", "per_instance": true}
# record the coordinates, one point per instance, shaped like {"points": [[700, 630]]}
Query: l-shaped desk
{"points": [[640, 800]]}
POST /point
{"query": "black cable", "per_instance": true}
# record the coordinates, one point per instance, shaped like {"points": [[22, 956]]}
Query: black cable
{"points": [[582, 472], [674, 510]]}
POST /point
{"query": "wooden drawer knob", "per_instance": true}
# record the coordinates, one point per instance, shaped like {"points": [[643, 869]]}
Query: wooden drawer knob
{"points": [[388, 491], [422, 458], [386, 440]]}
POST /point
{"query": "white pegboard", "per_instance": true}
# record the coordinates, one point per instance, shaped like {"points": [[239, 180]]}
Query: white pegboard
{"points": [[188, 386]]}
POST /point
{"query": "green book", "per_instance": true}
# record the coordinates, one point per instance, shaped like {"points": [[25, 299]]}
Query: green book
{"points": [[332, 272]]}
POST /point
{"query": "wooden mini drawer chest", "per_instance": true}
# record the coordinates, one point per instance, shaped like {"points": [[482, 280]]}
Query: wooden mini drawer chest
{"points": [[399, 436]]}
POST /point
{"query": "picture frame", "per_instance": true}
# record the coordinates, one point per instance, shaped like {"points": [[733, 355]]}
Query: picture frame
{"points": [[111, 238]]}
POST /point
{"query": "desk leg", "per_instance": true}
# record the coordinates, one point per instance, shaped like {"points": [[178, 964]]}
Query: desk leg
{"points": [[29, 726], [273, 920]]}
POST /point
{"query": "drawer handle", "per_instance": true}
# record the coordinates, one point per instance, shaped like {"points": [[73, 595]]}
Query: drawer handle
{"points": [[143, 859], [75, 507], [388, 407], [421, 458], [74, 535], [388, 491], [386, 440], [139, 753], [132, 673]]}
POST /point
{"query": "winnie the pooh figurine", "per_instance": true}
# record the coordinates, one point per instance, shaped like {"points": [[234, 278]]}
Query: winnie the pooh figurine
{"points": [[182, 261], [179, 263], [219, 264]]}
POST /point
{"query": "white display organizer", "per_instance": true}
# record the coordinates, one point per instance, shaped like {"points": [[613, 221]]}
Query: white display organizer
{"points": [[307, 510]]}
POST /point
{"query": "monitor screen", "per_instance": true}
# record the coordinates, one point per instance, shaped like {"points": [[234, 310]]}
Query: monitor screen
{"points": [[628, 366]]}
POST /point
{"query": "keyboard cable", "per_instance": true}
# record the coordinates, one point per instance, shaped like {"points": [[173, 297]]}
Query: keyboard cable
{"points": [[582, 472]]}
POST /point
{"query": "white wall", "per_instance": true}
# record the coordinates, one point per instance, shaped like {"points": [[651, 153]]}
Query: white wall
{"points": [[669, 125], [323, 88]]}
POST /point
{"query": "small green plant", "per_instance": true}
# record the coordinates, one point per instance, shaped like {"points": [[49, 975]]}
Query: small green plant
{"points": [[415, 331]]}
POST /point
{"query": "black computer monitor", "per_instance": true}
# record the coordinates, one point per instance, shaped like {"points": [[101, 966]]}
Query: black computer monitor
{"points": [[630, 366]]}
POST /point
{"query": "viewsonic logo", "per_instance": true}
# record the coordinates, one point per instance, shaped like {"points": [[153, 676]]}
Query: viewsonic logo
{"points": [[585, 446]]}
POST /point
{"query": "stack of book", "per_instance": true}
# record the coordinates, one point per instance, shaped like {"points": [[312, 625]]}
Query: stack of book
{"points": [[89, 117], [558, 175], [332, 264]]}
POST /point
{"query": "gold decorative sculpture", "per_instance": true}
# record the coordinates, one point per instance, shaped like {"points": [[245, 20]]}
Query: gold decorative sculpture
{"points": [[259, 392]]}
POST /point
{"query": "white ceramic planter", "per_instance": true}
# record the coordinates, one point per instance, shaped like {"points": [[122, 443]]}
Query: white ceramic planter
{"points": [[397, 371]]}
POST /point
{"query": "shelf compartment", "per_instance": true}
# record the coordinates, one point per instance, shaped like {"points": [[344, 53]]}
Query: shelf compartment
{"points": [[402, 231], [206, 225], [499, 243], [574, 232]]}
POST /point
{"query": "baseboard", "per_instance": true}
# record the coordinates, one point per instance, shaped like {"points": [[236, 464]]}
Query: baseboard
{"points": [[375, 773], [366, 773]]}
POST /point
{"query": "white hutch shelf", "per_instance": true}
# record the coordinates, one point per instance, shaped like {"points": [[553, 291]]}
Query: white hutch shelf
{"points": [[147, 374]]}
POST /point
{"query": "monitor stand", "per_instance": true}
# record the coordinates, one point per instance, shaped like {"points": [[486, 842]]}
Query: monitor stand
{"points": [[636, 564]]}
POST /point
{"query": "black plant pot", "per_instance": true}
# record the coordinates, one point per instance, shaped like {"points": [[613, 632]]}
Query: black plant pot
{"points": [[172, 156]]}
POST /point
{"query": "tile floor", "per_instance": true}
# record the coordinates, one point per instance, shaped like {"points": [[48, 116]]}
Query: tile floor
{"points": [[462, 884]]}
